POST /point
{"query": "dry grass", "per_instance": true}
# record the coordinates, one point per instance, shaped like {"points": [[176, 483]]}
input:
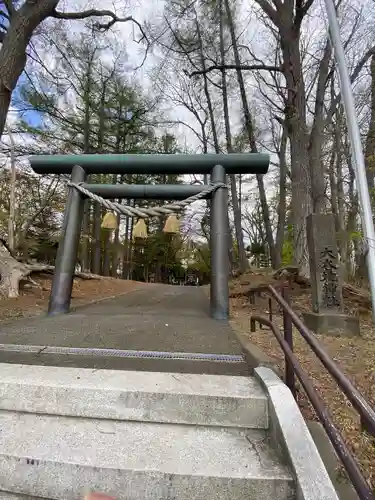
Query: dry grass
{"points": [[355, 356], [33, 300]]}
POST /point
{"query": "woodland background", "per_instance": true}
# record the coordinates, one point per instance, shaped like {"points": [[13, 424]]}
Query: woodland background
{"points": [[178, 77]]}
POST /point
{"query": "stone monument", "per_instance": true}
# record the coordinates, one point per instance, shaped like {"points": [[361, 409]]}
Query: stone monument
{"points": [[327, 316]]}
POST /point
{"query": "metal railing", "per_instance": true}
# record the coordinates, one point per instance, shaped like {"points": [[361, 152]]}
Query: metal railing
{"points": [[293, 368]]}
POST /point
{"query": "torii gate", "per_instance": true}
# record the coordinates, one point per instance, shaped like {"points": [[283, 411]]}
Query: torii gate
{"points": [[79, 166]]}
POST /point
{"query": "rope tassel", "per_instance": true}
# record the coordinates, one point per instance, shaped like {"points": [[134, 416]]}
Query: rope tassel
{"points": [[109, 221], [172, 225], [140, 230]]}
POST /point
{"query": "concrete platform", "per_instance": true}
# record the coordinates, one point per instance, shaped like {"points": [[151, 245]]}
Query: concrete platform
{"points": [[154, 318], [60, 457], [215, 400]]}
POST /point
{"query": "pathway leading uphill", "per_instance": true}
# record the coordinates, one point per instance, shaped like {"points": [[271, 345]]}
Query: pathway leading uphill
{"points": [[161, 318]]}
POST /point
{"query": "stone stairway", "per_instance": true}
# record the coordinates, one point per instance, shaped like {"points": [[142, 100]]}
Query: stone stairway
{"points": [[153, 436]]}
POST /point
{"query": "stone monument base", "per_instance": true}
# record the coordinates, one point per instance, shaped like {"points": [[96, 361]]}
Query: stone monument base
{"points": [[334, 324]]}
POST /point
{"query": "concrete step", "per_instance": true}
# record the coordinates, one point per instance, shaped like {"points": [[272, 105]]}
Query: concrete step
{"points": [[61, 457], [141, 396]]}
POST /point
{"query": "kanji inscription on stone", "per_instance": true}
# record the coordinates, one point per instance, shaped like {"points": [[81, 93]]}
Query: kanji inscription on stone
{"points": [[324, 263], [329, 278]]}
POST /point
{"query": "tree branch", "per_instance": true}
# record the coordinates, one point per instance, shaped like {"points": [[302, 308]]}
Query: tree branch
{"points": [[301, 11], [269, 11], [99, 13], [244, 67], [90, 13]]}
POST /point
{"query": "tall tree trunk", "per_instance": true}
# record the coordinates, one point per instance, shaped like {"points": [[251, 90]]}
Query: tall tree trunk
{"points": [[338, 198], [370, 139], [297, 131], [85, 246], [281, 208], [316, 165], [96, 250], [206, 90], [116, 240], [243, 262], [250, 132], [12, 195], [213, 124], [106, 252], [343, 235], [351, 225], [287, 17], [97, 216], [116, 253]]}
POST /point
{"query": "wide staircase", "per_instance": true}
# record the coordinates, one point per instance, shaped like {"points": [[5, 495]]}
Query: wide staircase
{"points": [[150, 435], [145, 397]]}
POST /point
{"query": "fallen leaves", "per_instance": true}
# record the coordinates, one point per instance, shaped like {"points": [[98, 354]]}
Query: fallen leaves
{"points": [[34, 300]]}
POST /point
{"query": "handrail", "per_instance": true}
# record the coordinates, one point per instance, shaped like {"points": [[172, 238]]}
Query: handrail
{"points": [[366, 412], [293, 368], [359, 482]]}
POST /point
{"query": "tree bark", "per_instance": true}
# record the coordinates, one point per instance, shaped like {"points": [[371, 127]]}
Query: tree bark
{"points": [[106, 252], [287, 17], [85, 246], [319, 200], [281, 208], [97, 217], [11, 272], [12, 195], [370, 139]]}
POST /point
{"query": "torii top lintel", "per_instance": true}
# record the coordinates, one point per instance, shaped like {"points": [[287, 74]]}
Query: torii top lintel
{"points": [[234, 163]]}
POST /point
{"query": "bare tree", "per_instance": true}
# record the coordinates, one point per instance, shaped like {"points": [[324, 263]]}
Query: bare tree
{"points": [[228, 136], [250, 131], [12, 196], [370, 139]]}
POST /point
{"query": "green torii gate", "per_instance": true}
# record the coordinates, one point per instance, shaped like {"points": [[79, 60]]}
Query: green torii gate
{"points": [[79, 166]]}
